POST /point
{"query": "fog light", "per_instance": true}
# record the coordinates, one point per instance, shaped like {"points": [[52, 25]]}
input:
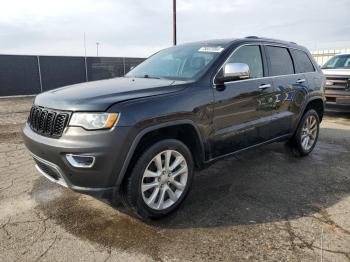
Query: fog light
{"points": [[80, 161]]}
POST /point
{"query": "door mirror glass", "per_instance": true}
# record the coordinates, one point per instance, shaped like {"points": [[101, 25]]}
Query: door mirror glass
{"points": [[232, 72]]}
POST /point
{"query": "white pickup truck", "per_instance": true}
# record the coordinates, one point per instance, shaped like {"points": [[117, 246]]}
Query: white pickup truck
{"points": [[337, 72]]}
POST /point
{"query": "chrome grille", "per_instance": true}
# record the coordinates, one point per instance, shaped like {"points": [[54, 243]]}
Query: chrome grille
{"points": [[48, 122], [338, 83]]}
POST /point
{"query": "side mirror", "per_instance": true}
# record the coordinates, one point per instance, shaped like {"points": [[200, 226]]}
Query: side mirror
{"points": [[232, 72]]}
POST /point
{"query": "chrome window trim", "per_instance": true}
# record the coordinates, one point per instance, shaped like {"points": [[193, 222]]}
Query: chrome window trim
{"points": [[265, 77]]}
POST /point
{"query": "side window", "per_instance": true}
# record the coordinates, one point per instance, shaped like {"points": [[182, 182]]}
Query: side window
{"points": [[280, 61], [302, 62], [195, 63], [251, 56]]}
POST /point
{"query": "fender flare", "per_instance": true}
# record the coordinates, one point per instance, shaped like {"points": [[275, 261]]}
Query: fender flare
{"points": [[145, 131]]}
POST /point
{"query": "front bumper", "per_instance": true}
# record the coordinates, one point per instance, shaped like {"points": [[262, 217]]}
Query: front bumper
{"points": [[108, 147], [55, 175], [338, 98]]}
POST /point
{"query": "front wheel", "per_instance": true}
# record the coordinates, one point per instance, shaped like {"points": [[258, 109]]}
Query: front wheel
{"points": [[160, 179], [305, 138]]}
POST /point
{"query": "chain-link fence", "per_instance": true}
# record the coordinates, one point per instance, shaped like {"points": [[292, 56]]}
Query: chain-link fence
{"points": [[28, 75]]}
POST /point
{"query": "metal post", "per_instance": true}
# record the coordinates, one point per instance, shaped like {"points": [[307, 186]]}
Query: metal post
{"points": [[86, 72], [174, 22], [39, 71], [97, 44], [124, 64]]}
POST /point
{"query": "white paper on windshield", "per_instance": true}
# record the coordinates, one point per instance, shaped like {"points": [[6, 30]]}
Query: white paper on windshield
{"points": [[211, 49]]}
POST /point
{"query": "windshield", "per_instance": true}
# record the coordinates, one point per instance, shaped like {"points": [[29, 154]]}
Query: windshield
{"points": [[339, 61], [179, 63]]}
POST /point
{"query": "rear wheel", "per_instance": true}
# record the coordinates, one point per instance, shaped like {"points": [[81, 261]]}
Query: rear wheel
{"points": [[306, 135], [160, 179]]}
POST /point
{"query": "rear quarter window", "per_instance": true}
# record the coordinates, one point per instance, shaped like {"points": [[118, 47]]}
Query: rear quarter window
{"points": [[302, 62], [280, 61]]}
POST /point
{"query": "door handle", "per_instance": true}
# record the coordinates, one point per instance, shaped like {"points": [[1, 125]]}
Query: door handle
{"points": [[299, 81], [264, 86]]}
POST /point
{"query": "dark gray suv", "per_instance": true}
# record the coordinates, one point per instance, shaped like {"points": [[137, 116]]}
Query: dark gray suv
{"points": [[139, 138]]}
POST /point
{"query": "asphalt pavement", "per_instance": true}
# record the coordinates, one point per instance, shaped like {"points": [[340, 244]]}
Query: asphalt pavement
{"points": [[261, 205]]}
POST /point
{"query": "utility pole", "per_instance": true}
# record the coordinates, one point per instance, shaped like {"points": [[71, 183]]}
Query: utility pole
{"points": [[174, 22], [97, 44]]}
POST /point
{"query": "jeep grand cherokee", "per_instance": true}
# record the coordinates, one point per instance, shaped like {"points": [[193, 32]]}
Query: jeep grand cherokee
{"points": [[140, 137]]}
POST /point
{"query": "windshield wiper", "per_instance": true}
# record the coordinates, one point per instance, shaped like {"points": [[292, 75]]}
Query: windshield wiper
{"points": [[150, 76], [146, 76]]}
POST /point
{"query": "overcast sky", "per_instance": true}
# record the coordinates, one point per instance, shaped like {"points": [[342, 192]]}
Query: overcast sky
{"points": [[140, 27]]}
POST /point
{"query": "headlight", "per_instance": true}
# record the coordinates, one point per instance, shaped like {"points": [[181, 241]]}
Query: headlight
{"points": [[93, 121], [329, 83]]}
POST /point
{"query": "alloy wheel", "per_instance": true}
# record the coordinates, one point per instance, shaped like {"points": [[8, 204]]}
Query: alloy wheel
{"points": [[164, 179], [309, 132]]}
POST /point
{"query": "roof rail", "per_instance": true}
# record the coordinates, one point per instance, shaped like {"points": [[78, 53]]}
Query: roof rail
{"points": [[263, 38]]}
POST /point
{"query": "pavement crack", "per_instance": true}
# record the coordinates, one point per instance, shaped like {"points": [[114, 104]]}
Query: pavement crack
{"points": [[325, 218], [24, 222], [47, 249], [293, 236], [288, 228], [346, 254], [7, 187], [3, 227], [310, 245], [109, 251]]}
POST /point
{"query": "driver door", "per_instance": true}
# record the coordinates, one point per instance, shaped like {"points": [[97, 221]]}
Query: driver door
{"points": [[242, 107]]}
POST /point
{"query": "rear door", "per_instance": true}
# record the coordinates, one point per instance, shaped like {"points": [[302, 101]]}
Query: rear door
{"points": [[305, 67], [239, 111], [288, 87]]}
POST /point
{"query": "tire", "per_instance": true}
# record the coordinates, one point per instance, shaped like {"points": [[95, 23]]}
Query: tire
{"points": [[150, 179], [308, 129]]}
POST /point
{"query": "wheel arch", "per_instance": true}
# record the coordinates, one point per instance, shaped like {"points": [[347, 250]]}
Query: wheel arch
{"points": [[152, 134], [316, 103]]}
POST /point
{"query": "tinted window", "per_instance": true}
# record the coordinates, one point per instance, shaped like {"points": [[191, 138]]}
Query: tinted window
{"points": [[280, 61], [302, 62], [251, 56], [339, 61]]}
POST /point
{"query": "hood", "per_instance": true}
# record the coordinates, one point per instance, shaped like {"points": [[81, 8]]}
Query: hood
{"points": [[99, 95], [336, 72]]}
